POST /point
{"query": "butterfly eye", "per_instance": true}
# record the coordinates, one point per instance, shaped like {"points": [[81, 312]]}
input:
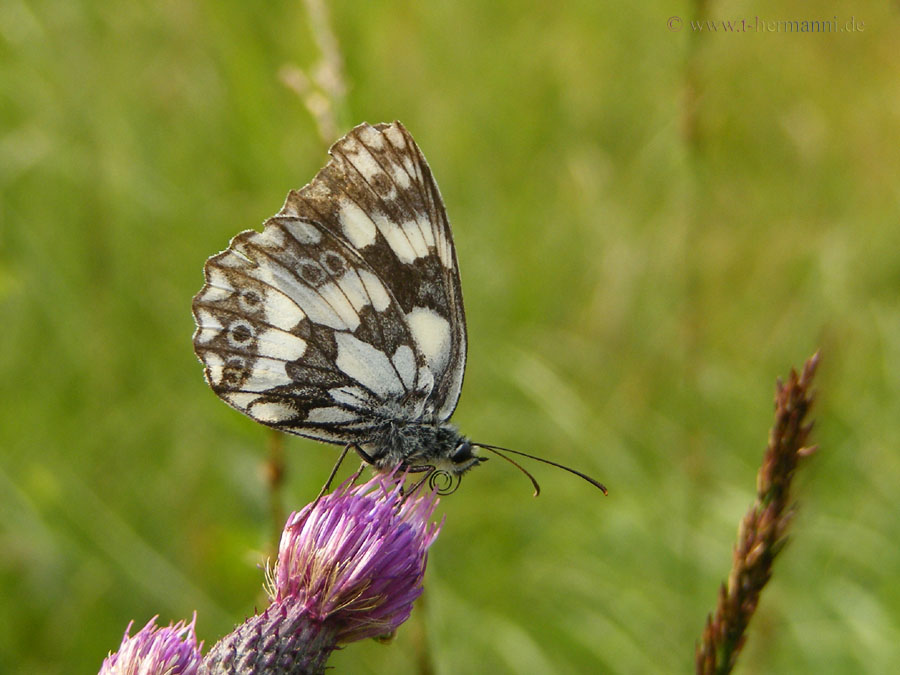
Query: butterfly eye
{"points": [[462, 453]]}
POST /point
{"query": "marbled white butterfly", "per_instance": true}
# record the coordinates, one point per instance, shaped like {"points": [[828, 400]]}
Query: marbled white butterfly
{"points": [[343, 320]]}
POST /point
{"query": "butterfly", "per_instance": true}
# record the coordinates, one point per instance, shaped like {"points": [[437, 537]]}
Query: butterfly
{"points": [[343, 320]]}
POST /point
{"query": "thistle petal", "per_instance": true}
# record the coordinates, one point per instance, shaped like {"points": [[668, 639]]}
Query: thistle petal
{"points": [[356, 558], [172, 650]]}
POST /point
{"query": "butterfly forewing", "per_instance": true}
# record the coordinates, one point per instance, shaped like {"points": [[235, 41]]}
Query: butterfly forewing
{"points": [[299, 333], [346, 311], [377, 192]]}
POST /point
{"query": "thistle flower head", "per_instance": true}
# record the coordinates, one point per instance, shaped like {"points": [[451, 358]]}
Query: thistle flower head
{"points": [[172, 650], [355, 559]]}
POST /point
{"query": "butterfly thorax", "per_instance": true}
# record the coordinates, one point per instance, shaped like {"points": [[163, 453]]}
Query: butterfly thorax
{"points": [[417, 445]]}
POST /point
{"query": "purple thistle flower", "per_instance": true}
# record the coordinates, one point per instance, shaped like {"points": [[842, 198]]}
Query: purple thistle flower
{"points": [[355, 560], [350, 565], [172, 650]]}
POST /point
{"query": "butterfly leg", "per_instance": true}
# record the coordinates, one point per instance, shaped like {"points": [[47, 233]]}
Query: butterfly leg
{"points": [[428, 471], [365, 456], [334, 470]]}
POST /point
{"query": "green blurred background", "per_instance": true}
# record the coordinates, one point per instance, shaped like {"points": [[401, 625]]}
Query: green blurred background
{"points": [[652, 224]]}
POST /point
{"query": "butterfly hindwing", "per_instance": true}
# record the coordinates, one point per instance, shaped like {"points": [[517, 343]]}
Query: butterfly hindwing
{"points": [[378, 195], [299, 332]]}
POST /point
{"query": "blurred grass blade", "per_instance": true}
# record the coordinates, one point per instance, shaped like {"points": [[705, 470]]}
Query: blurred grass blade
{"points": [[762, 533]]}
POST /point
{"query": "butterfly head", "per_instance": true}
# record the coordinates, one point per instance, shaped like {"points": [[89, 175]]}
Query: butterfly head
{"points": [[462, 458], [445, 471]]}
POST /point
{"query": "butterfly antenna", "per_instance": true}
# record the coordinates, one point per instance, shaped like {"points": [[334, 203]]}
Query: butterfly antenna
{"points": [[495, 449]]}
